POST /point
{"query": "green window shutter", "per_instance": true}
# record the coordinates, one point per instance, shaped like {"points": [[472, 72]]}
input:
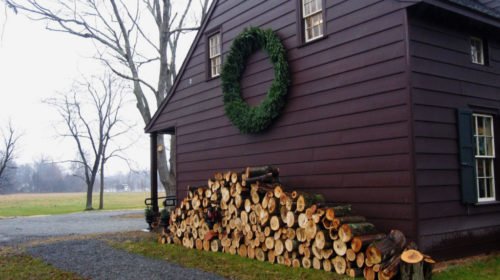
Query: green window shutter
{"points": [[467, 160]]}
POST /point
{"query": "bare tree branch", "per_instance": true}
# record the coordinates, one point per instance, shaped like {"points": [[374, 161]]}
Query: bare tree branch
{"points": [[7, 153], [120, 32]]}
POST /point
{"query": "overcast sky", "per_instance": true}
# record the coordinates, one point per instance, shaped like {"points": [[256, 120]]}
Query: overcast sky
{"points": [[35, 64]]}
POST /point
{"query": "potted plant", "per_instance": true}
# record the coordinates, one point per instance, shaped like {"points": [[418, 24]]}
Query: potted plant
{"points": [[150, 217], [164, 219]]}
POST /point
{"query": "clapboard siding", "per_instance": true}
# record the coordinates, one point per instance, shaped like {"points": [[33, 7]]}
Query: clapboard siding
{"points": [[443, 80], [345, 128]]}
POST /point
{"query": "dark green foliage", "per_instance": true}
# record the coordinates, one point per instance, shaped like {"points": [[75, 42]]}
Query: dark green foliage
{"points": [[254, 119]]}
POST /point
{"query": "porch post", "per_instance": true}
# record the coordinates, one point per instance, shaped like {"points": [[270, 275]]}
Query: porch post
{"points": [[154, 172]]}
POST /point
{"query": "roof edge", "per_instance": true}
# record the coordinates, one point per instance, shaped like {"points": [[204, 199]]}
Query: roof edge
{"points": [[199, 35], [465, 11]]}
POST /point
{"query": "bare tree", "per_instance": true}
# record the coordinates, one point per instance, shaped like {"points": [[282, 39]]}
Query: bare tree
{"points": [[7, 153], [91, 115], [119, 29]]}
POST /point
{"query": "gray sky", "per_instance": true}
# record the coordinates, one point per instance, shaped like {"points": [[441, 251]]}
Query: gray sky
{"points": [[34, 65]]}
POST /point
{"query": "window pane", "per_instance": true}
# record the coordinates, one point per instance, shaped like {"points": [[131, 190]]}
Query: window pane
{"points": [[476, 49], [488, 127], [314, 26], [311, 6], [485, 155], [481, 188], [481, 146], [480, 168], [215, 45]]}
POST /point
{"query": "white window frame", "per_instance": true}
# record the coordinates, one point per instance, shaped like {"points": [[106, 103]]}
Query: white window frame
{"points": [[311, 15], [214, 54], [477, 44], [487, 157]]}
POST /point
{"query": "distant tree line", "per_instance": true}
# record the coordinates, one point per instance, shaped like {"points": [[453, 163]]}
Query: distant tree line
{"points": [[45, 176]]}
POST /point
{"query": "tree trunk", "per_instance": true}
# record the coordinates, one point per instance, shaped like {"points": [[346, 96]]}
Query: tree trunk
{"points": [[90, 189], [101, 191]]}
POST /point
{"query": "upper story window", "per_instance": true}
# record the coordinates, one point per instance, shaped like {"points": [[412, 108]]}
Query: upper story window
{"points": [[477, 50], [312, 15], [214, 42], [484, 153]]}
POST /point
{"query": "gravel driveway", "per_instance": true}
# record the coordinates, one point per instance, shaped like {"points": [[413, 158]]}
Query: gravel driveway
{"points": [[91, 258], [96, 260], [21, 228]]}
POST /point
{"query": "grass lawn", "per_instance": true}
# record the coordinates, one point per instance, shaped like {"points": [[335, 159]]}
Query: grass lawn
{"points": [[235, 267], [26, 267], [226, 265], [61, 203], [484, 268]]}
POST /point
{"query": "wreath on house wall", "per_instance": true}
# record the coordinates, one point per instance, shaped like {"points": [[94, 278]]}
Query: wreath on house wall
{"points": [[250, 119]]}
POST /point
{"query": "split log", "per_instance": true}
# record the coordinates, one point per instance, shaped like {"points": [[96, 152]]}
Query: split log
{"points": [[289, 203], [390, 268], [261, 170], [333, 233], [255, 196], [278, 191], [322, 240], [218, 176], [279, 247], [306, 200], [368, 273], [265, 178], [348, 231], [311, 230], [383, 249], [316, 263], [215, 245], [339, 264], [327, 224], [338, 221], [354, 272], [235, 178], [326, 253], [269, 242], [317, 252], [300, 234], [275, 223], [327, 265], [272, 205], [260, 255], [350, 255], [251, 252], [339, 247], [360, 259], [290, 219], [302, 220], [360, 242], [306, 262], [199, 244], [206, 245], [271, 256], [291, 245]]}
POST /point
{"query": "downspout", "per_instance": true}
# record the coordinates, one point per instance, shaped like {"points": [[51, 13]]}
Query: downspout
{"points": [[411, 130]]}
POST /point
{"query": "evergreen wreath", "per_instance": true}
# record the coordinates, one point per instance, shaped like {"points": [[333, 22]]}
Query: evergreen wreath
{"points": [[250, 119]]}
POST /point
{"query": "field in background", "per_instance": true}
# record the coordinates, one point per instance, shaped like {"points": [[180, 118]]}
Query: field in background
{"points": [[61, 203]]}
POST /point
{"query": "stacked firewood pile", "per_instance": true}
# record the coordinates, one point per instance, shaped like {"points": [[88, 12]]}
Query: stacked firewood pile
{"points": [[251, 214]]}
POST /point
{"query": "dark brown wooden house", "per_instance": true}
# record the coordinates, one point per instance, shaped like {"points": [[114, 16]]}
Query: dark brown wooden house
{"points": [[393, 107]]}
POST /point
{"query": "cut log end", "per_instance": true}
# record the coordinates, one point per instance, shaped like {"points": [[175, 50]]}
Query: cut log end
{"points": [[412, 256]]}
